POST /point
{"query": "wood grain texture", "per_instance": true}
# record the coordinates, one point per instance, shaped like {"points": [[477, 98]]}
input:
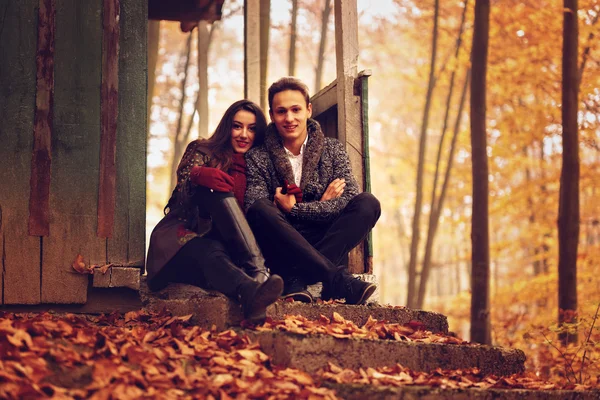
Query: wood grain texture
{"points": [[110, 111], [75, 152], [346, 54], [19, 252], [127, 244], [39, 224]]}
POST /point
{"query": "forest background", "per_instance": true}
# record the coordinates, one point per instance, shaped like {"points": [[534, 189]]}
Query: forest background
{"points": [[524, 137]]}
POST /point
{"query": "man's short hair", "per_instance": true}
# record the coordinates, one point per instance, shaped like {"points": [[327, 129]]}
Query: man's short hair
{"points": [[288, 83]]}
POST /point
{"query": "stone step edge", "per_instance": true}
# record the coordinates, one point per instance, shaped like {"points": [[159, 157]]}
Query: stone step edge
{"points": [[211, 308], [313, 352], [359, 391]]}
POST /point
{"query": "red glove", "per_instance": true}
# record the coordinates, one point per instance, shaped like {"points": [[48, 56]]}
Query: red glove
{"points": [[293, 189], [212, 178]]}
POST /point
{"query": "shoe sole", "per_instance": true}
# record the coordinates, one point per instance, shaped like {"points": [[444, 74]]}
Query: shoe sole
{"points": [[268, 293], [299, 296], [368, 292]]}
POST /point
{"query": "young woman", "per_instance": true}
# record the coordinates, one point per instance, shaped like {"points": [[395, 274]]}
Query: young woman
{"points": [[204, 239]]}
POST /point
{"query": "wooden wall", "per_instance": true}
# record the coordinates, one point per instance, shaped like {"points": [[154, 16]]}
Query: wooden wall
{"points": [[52, 142]]}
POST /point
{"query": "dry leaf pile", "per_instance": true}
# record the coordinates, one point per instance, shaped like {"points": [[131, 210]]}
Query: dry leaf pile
{"points": [[137, 356], [447, 379], [373, 329]]}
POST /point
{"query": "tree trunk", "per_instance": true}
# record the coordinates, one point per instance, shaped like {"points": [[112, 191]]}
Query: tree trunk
{"points": [[480, 251], [322, 45], [436, 207], [434, 214], [153, 46], [411, 300], [568, 211], [292, 54], [265, 27], [178, 144]]}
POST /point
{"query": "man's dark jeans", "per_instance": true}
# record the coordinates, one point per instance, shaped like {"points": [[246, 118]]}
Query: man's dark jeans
{"points": [[316, 251]]}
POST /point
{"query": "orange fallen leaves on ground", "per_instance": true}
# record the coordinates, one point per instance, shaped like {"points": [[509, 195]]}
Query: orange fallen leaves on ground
{"points": [[373, 329], [138, 355], [447, 379]]}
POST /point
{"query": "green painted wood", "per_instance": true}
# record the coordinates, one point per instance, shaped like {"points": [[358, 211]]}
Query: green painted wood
{"points": [[127, 246], [75, 152], [364, 97], [19, 252]]}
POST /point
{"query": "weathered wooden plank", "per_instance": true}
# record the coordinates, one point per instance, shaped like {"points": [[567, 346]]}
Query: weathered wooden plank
{"points": [[324, 99], [39, 224], [356, 258], [252, 50], [346, 50], [127, 245], [348, 102], [19, 252], [328, 121], [109, 111], [75, 152]]}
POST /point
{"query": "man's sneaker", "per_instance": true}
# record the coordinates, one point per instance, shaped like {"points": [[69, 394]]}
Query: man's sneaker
{"points": [[346, 286], [358, 291], [295, 288]]}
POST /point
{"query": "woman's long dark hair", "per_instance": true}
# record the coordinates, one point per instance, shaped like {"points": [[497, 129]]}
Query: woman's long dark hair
{"points": [[220, 152]]}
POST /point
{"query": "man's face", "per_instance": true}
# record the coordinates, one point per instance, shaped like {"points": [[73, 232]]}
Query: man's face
{"points": [[290, 113]]}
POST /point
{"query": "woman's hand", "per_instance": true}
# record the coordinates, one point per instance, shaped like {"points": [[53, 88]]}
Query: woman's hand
{"points": [[334, 190], [285, 202], [212, 178]]}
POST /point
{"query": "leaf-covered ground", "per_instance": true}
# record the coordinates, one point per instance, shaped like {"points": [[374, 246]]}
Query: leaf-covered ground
{"points": [[141, 355]]}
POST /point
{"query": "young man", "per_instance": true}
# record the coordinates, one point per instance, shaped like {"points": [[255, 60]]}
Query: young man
{"points": [[303, 203]]}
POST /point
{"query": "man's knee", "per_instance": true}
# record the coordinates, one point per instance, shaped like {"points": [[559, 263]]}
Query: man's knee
{"points": [[368, 206]]}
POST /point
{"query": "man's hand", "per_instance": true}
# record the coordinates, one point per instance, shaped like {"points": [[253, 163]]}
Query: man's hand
{"points": [[285, 202], [334, 190]]}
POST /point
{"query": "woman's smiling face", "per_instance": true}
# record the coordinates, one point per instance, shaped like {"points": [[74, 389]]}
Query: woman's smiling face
{"points": [[243, 131]]}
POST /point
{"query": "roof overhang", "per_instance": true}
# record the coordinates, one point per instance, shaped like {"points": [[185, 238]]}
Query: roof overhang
{"points": [[185, 10]]}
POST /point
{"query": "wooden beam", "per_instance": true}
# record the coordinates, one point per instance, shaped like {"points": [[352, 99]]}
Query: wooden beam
{"points": [[349, 107], [185, 10], [109, 114], [252, 50], [346, 52], [127, 244], [324, 99], [75, 152], [39, 206]]}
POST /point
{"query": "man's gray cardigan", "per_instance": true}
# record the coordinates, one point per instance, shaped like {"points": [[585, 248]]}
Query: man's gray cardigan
{"points": [[325, 159]]}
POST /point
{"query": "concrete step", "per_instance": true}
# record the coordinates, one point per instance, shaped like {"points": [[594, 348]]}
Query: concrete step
{"points": [[211, 308], [360, 392], [313, 352]]}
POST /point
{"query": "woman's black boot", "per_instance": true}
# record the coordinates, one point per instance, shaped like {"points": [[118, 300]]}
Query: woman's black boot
{"points": [[256, 297], [229, 220]]}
